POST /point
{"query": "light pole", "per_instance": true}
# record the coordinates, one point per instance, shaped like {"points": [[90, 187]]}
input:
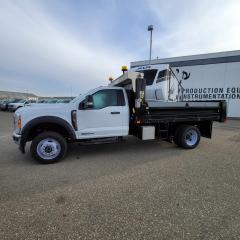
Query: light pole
{"points": [[150, 28]]}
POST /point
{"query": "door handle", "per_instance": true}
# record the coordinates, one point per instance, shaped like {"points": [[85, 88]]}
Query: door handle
{"points": [[115, 112]]}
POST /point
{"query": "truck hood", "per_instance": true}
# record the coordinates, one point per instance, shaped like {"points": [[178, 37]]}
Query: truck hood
{"points": [[47, 106], [32, 112]]}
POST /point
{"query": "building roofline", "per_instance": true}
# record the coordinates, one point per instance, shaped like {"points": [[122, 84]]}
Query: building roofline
{"points": [[198, 59]]}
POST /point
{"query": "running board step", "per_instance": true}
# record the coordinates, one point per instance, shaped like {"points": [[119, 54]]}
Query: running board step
{"points": [[96, 141]]}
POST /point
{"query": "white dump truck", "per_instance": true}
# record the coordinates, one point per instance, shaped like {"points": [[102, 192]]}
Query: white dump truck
{"points": [[128, 106]]}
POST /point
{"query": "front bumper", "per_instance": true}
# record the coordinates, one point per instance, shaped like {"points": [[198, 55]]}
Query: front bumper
{"points": [[16, 138]]}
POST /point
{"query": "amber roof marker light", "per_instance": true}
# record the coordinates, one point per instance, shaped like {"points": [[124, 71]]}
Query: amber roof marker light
{"points": [[124, 69], [110, 79]]}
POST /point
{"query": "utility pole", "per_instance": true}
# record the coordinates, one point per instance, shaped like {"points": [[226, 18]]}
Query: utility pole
{"points": [[150, 29]]}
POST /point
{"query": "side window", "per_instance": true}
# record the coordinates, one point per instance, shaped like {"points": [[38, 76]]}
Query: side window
{"points": [[108, 97], [150, 75], [120, 98], [161, 76]]}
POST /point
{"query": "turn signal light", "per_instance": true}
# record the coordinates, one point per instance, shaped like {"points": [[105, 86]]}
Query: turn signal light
{"points": [[19, 122]]}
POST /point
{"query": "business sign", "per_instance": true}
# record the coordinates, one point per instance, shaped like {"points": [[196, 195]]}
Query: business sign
{"points": [[211, 93], [211, 82]]}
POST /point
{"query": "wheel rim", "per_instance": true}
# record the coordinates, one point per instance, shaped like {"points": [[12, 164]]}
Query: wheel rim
{"points": [[191, 137], [48, 148]]}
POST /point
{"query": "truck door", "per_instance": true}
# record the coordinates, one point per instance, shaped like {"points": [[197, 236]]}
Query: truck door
{"points": [[161, 86], [106, 117], [150, 75], [165, 87]]}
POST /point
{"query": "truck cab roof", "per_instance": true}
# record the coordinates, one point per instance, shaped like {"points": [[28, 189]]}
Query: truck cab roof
{"points": [[82, 96]]}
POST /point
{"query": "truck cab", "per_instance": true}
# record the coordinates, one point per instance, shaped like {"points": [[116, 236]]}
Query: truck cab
{"points": [[101, 113]]}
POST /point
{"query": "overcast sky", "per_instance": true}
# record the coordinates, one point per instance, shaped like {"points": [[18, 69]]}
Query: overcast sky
{"points": [[61, 46]]}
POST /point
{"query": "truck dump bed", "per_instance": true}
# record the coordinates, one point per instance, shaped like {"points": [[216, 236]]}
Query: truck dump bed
{"points": [[156, 111], [183, 111]]}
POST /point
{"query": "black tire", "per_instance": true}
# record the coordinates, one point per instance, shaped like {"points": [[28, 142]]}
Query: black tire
{"points": [[45, 143], [188, 136]]}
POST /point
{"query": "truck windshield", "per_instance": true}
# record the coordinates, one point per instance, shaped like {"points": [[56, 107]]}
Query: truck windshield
{"points": [[149, 75]]}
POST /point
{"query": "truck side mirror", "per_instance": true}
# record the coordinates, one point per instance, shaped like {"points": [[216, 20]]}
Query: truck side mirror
{"points": [[87, 103]]}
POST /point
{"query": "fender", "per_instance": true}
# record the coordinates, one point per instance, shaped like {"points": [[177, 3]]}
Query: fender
{"points": [[46, 119]]}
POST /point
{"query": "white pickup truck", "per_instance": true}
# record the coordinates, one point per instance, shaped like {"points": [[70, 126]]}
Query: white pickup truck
{"points": [[113, 112]]}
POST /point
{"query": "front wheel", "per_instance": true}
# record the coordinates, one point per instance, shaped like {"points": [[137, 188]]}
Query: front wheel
{"points": [[48, 147], [188, 137]]}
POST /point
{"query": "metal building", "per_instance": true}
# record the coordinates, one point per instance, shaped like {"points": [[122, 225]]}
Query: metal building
{"points": [[213, 76]]}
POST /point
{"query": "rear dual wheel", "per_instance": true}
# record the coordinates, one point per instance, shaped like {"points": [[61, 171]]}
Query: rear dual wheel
{"points": [[187, 136]]}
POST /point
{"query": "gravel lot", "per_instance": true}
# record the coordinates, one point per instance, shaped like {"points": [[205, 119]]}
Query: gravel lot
{"points": [[129, 190]]}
